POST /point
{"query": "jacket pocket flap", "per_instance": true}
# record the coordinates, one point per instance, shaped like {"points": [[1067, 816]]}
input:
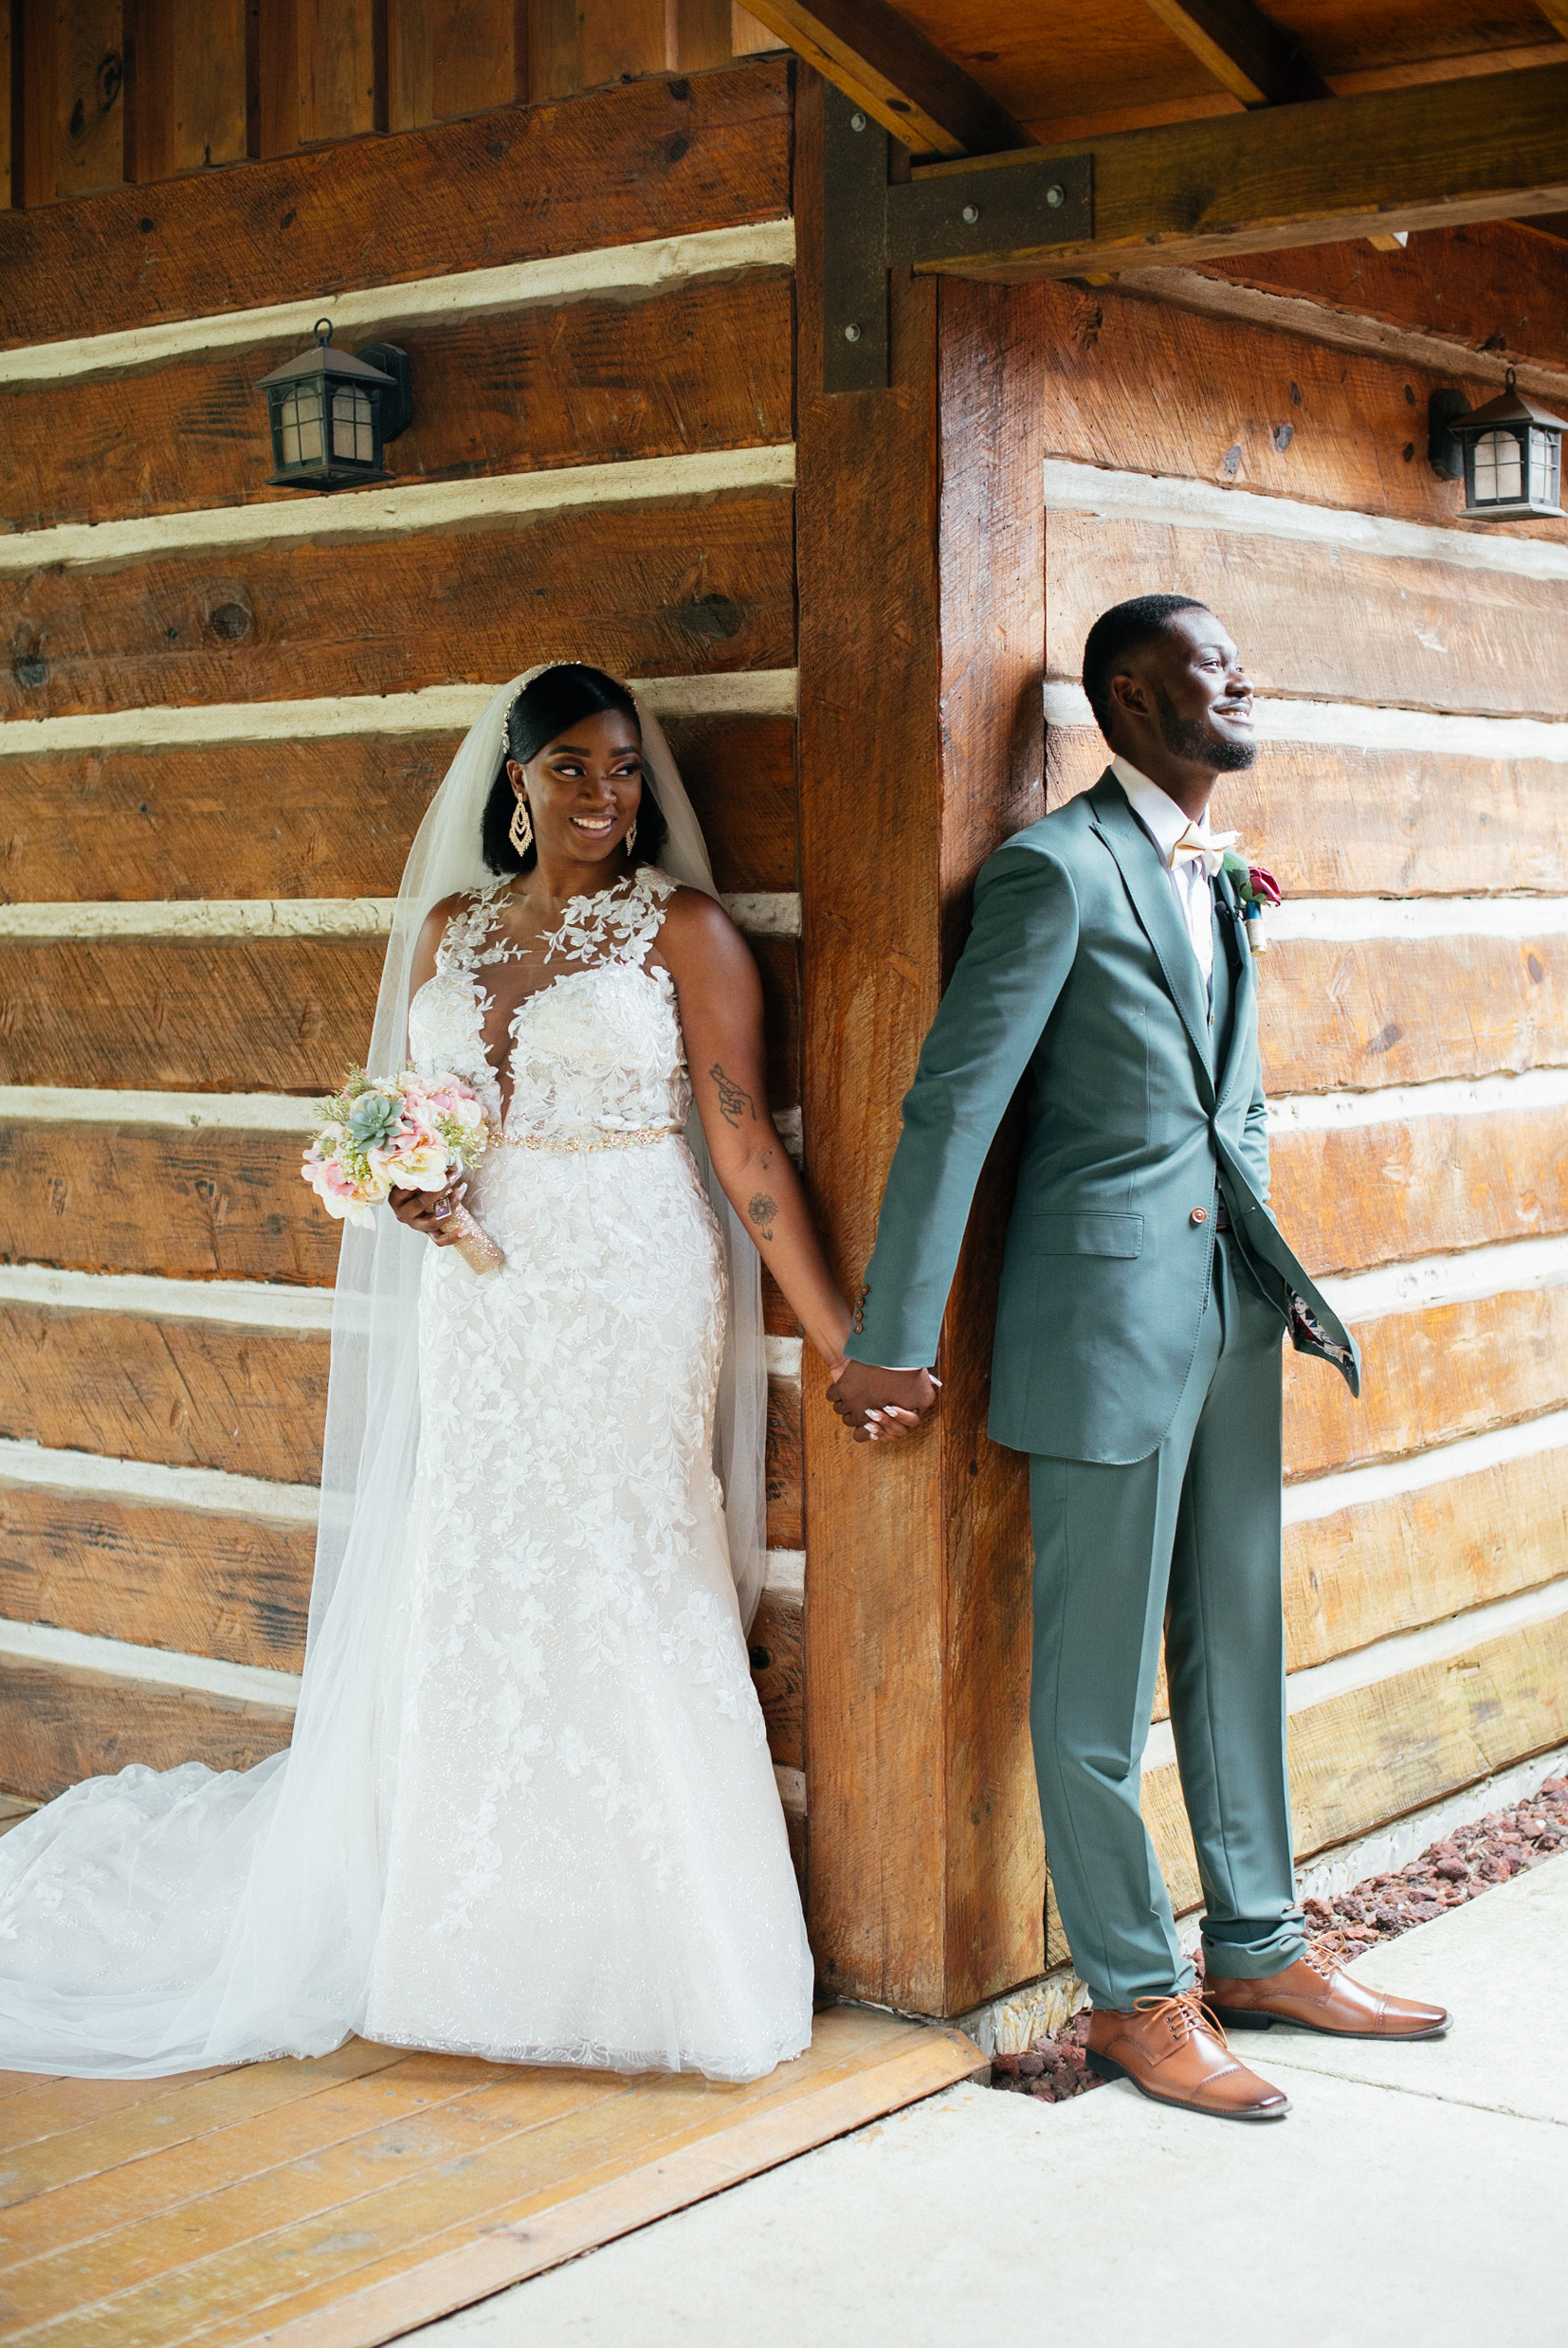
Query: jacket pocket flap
{"points": [[1086, 1235]]}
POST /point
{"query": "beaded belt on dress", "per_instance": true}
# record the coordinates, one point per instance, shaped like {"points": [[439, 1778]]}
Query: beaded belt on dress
{"points": [[636, 1139]]}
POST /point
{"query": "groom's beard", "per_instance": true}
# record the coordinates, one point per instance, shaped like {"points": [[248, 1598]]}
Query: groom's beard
{"points": [[1194, 738]]}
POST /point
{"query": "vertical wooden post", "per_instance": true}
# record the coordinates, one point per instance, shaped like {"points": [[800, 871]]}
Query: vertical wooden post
{"points": [[921, 591], [318, 78], [74, 109], [11, 61], [187, 86]]}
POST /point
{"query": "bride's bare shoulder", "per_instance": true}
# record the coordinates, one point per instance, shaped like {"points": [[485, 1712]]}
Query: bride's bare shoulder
{"points": [[691, 913]]}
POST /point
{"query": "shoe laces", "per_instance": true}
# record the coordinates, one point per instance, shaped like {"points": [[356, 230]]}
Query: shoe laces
{"points": [[1185, 2012]]}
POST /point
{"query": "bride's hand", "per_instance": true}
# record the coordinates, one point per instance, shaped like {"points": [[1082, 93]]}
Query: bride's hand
{"points": [[431, 1213]]}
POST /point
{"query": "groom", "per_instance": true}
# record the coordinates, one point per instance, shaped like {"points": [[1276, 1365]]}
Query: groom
{"points": [[1144, 1294]]}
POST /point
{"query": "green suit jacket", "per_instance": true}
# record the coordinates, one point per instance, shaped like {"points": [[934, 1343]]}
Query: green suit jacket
{"points": [[1079, 980]]}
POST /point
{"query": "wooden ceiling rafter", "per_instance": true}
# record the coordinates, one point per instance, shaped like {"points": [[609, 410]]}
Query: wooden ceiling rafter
{"points": [[1556, 14], [903, 79], [1244, 50], [1436, 155]]}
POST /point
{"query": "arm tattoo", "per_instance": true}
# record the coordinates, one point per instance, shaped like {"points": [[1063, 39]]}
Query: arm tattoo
{"points": [[762, 1210], [733, 1101]]}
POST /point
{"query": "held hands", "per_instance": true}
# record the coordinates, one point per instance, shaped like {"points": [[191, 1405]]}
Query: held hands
{"points": [[432, 1212], [878, 1406]]}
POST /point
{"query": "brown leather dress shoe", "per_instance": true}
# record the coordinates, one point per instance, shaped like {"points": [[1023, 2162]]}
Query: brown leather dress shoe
{"points": [[1175, 2053], [1309, 1996]]}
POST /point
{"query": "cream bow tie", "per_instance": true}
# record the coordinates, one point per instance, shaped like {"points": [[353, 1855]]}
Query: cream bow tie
{"points": [[1198, 841]]}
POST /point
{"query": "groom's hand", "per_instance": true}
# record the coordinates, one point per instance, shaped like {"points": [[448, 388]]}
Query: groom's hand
{"points": [[879, 1405]]}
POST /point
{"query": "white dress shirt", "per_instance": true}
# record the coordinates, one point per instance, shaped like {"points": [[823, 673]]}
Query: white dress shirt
{"points": [[1190, 883]]}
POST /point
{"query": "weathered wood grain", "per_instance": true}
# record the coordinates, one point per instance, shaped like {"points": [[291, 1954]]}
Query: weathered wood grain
{"points": [[656, 593], [317, 72], [1379, 162], [925, 1871], [1391, 1565], [330, 818], [706, 366], [778, 1668], [740, 776], [1382, 1194], [59, 1726], [1140, 385], [264, 1015], [188, 1394], [785, 1521], [8, 53], [206, 2135], [1327, 623], [1430, 1377], [647, 160], [870, 773], [1407, 1012], [992, 621], [188, 88], [446, 58], [1496, 285], [1378, 1752], [198, 1582], [1374, 823], [72, 107], [204, 1205]]}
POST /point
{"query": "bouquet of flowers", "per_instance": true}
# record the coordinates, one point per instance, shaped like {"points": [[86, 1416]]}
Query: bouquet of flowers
{"points": [[403, 1132]]}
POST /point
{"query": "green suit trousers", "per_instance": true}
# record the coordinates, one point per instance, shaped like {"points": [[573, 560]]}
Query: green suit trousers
{"points": [[1187, 1540]]}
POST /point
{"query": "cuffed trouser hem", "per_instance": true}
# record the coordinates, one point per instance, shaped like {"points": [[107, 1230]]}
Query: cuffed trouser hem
{"points": [[1254, 1960]]}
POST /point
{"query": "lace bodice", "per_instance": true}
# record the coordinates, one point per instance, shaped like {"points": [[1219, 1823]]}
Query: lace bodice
{"points": [[598, 1048]]}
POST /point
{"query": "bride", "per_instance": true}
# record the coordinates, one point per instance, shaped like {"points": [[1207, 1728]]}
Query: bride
{"points": [[528, 1809]]}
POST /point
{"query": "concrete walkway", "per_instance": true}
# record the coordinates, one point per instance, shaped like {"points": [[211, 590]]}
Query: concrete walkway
{"points": [[1414, 2194]]}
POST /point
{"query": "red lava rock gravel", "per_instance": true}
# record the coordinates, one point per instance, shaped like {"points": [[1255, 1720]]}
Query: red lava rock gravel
{"points": [[1466, 1863]]}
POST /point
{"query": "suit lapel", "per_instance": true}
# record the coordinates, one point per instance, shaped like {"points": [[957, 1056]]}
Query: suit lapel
{"points": [[1144, 876], [1244, 988]]}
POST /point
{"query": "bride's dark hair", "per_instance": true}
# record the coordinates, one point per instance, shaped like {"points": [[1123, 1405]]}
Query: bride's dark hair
{"points": [[544, 711]]}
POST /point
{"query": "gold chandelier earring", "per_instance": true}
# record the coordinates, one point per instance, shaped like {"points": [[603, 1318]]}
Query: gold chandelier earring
{"points": [[632, 836], [521, 830]]}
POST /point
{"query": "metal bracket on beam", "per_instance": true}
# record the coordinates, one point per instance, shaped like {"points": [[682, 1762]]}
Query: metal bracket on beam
{"points": [[982, 215]]}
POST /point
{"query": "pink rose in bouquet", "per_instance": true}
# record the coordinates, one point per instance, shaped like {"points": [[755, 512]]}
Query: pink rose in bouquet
{"points": [[402, 1133]]}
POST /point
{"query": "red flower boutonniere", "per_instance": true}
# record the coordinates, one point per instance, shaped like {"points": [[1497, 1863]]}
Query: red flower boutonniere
{"points": [[1256, 889]]}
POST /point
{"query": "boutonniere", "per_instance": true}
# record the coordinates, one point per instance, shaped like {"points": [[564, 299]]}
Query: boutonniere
{"points": [[1255, 888]]}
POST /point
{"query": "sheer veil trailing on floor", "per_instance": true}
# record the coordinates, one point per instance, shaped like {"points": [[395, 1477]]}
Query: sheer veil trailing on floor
{"points": [[157, 1922]]}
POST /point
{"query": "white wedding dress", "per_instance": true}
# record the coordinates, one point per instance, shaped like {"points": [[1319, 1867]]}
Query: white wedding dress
{"points": [[532, 1814]]}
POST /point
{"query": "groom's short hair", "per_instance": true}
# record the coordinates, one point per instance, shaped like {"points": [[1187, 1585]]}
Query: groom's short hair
{"points": [[1125, 628]]}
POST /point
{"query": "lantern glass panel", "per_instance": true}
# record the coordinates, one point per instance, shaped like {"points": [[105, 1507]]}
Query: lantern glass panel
{"points": [[300, 424], [353, 433], [1546, 468], [1499, 476]]}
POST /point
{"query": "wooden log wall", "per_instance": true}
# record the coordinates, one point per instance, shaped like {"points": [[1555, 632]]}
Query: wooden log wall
{"points": [[1269, 459], [215, 749]]}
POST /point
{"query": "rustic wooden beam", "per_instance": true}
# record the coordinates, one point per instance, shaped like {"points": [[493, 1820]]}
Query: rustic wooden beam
{"points": [[876, 56], [1243, 48], [921, 576], [1435, 156], [1556, 13]]}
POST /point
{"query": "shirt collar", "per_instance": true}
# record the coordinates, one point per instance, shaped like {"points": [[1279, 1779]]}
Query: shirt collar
{"points": [[1158, 813]]}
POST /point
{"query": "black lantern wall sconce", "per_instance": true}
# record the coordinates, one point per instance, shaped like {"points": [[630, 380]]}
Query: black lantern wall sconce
{"points": [[333, 412], [1508, 454]]}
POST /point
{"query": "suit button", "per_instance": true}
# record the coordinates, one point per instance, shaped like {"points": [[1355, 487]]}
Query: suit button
{"points": [[1200, 1215]]}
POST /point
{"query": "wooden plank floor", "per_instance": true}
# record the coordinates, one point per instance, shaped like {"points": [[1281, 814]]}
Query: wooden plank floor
{"points": [[342, 2202]]}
